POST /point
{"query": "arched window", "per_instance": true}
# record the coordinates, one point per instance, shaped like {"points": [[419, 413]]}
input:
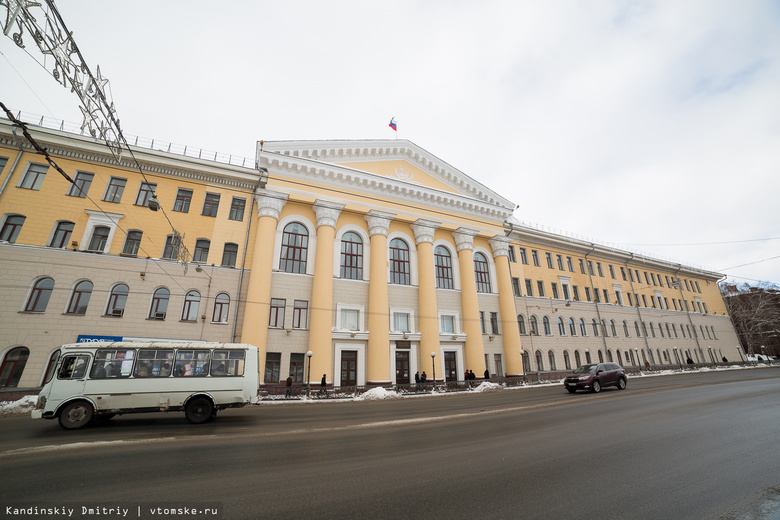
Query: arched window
{"points": [[61, 234], [566, 360], [399, 262], [613, 327], [601, 357], [132, 243], [221, 308], [604, 329], [201, 253], [701, 327], [644, 329], [79, 300], [39, 297], [551, 359], [482, 273], [661, 329], [625, 329], [13, 366], [526, 362], [539, 361], [620, 358], [609, 356], [443, 260], [191, 305], [351, 256], [595, 327], [583, 328], [11, 227], [295, 246], [577, 358], [561, 327], [572, 327], [534, 326], [521, 324], [159, 304], [99, 239], [117, 300], [229, 254], [668, 332], [638, 332], [546, 324], [713, 332], [682, 330]]}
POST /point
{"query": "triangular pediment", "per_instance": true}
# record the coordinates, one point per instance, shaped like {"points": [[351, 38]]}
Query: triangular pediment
{"points": [[397, 159]]}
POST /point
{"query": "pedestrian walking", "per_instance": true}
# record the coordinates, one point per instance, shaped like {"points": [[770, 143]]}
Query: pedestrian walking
{"points": [[324, 386]]}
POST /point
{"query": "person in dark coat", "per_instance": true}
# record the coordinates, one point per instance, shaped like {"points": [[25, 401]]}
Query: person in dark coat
{"points": [[289, 387], [424, 380], [417, 381], [324, 386], [725, 360], [487, 374], [690, 361]]}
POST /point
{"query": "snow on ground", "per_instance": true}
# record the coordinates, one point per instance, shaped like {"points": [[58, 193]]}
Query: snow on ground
{"points": [[23, 405], [487, 386], [377, 394]]}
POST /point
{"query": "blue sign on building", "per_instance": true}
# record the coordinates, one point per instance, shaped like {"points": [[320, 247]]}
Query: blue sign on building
{"points": [[88, 338]]}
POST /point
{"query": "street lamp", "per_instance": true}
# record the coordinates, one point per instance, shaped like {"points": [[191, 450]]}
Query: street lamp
{"points": [[433, 365], [309, 354]]}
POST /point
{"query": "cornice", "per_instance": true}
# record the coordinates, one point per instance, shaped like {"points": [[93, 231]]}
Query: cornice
{"points": [[346, 178], [89, 150], [346, 151]]}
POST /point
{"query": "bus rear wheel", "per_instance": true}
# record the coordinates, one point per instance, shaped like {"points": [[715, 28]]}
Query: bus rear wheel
{"points": [[199, 410], [75, 415]]}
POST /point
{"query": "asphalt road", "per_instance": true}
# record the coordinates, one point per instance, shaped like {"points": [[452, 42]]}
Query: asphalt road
{"points": [[702, 445]]}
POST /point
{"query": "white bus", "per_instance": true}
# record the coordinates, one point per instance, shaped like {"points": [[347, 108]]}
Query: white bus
{"points": [[97, 380]]}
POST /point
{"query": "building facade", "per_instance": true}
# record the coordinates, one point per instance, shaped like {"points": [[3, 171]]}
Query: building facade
{"points": [[376, 257]]}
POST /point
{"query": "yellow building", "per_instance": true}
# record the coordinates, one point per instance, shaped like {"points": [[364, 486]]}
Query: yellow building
{"points": [[376, 257]]}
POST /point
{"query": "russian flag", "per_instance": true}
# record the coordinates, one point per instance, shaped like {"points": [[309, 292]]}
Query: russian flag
{"points": [[393, 125]]}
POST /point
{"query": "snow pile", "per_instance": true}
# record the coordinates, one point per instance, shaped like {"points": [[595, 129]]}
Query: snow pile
{"points": [[487, 386], [23, 405], [377, 394]]}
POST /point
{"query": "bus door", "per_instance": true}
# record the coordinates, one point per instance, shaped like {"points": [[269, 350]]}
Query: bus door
{"points": [[70, 377]]}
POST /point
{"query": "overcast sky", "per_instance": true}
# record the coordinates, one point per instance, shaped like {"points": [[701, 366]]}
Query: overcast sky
{"points": [[649, 126]]}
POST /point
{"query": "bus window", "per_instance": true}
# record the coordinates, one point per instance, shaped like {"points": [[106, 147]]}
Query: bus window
{"points": [[111, 362], [73, 367], [154, 363], [227, 363], [191, 363]]}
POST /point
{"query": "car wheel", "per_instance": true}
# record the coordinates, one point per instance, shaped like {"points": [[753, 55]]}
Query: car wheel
{"points": [[595, 386], [571, 390], [199, 410], [622, 383], [75, 415]]}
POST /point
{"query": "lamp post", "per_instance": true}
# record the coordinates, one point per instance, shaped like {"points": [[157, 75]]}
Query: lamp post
{"points": [[309, 354], [433, 365]]}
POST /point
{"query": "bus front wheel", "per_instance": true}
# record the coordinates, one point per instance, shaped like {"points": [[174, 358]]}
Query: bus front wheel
{"points": [[75, 415], [199, 410]]}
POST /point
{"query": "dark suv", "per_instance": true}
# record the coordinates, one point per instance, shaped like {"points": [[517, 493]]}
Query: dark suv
{"points": [[595, 377]]}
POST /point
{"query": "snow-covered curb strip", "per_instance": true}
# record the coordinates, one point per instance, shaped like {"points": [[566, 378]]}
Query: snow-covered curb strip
{"points": [[23, 405]]}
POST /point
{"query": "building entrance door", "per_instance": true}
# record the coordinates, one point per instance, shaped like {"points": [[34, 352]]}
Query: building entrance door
{"points": [[402, 367], [349, 368], [450, 367]]}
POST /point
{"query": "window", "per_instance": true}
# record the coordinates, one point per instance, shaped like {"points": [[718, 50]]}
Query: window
{"points": [[559, 258], [81, 184], [237, 209], [295, 243], [229, 255], [145, 192], [171, 250], [399, 262], [183, 199], [516, 287], [297, 367], [529, 288], [611, 271], [11, 227], [590, 268], [582, 266], [115, 189], [132, 243], [583, 328], [39, 297], [117, 300], [523, 256], [13, 366], [273, 360], [535, 257], [210, 205], [623, 273], [494, 323], [33, 177], [569, 264], [159, 304], [561, 327], [572, 327], [511, 252], [350, 319], [443, 261], [447, 323], [191, 363], [566, 360], [300, 314], [625, 329], [521, 324], [191, 304], [613, 327], [61, 234], [221, 308], [600, 270], [555, 290], [401, 322], [548, 256], [534, 326], [546, 325], [351, 256], [595, 327], [576, 293], [482, 321], [551, 357], [587, 293], [79, 300], [276, 317], [540, 286], [481, 273], [201, 253], [99, 239]]}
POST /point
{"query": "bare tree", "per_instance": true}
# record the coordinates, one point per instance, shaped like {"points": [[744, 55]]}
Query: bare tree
{"points": [[755, 312]]}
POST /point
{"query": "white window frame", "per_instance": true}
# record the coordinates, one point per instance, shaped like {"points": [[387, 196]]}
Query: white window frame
{"points": [[408, 312], [455, 322], [341, 307], [99, 218]]}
